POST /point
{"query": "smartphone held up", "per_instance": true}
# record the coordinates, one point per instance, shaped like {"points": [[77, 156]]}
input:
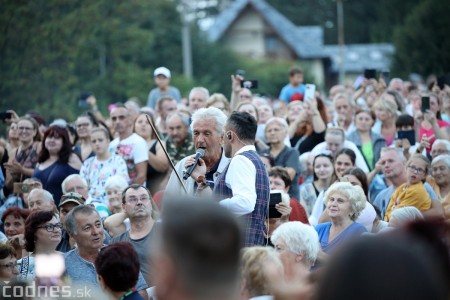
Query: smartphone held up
{"points": [[310, 92]]}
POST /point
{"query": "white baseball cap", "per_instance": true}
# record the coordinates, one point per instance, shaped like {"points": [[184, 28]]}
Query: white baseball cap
{"points": [[162, 71]]}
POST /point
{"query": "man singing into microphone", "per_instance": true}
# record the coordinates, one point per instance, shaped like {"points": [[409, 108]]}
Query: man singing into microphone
{"points": [[207, 129], [243, 187]]}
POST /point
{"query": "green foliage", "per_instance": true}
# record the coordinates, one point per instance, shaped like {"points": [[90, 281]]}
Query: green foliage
{"points": [[52, 50], [390, 15], [358, 15], [422, 43]]}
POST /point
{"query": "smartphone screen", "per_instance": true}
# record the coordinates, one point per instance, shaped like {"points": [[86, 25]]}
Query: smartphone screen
{"points": [[249, 84], [275, 198], [310, 91], [425, 104], [385, 74], [410, 135], [358, 82], [370, 73]]}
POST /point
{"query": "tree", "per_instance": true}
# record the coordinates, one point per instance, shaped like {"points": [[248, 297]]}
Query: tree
{"points": [[51, 50], [357, 17], [422, 43], [390, 14]]}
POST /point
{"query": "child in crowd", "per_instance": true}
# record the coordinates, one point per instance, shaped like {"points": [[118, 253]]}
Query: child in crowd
{"points": [[96, 170], [295, 89], [162, 81], [412, 193]]}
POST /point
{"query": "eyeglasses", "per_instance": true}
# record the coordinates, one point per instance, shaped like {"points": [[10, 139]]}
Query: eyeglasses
{"points": [[416, 170], [10, 266], [134, 200], [51, 227], [118, 117], [83, 125], [24, 128]]}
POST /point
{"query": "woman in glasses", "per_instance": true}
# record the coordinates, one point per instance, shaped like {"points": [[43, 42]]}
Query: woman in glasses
{"points": [[42, 235], [24, 158]]}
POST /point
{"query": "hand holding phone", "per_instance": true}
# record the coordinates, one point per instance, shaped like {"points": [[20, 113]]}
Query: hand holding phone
{"points": [[274, 199]]}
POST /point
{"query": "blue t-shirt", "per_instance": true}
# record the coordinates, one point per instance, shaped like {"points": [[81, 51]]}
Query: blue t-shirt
{"points": [[323, 230], [83, 272], [289, 93]]}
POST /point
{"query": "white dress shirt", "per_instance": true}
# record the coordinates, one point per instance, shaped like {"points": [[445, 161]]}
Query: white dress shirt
{"points": [[241, 179]]}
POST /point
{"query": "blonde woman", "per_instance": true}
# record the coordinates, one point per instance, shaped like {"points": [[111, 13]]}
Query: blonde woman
{"points": [[386, 113]]}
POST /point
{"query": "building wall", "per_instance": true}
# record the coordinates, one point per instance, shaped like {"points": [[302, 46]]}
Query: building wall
{"points": [[246, 35], [275, 47], [250, 35]]}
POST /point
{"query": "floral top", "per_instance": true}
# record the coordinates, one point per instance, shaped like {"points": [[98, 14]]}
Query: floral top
{"points": [[96, 173]]}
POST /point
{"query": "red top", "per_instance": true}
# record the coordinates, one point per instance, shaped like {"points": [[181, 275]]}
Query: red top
{"points": [[298, 213]]}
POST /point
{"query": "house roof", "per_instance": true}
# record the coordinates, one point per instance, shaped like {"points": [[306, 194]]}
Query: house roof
{"points": [[305, 41], [361, 56]]}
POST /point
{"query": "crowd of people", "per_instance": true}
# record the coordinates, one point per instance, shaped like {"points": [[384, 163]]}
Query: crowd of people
{"points": [[205, 197]]}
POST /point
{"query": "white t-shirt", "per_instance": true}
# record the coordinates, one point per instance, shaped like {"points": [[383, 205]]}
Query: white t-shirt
{"points": [[133, 149], [360, 162]]}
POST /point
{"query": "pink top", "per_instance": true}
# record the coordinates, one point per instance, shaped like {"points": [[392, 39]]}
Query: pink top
{"points": [[389, 140], [430, 132]]}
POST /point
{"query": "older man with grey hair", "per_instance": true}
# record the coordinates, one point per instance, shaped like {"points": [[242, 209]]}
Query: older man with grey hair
{"points": [[75, 183], [208, 130], [439, 147], [84, 225], [197, 98], [41, 200], [179, 144]]}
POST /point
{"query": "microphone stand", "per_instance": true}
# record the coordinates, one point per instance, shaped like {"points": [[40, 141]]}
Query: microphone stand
{"points": [[165, 152]]}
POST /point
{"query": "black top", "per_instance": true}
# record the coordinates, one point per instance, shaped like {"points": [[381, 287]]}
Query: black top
{"points": [[154, 177], [309, 142]]}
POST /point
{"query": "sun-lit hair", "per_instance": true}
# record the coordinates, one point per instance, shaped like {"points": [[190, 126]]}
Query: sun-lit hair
{"points": [[254, 262], [278, 120], [210, 113], [353, 193], [299, 239], [404, 215]]}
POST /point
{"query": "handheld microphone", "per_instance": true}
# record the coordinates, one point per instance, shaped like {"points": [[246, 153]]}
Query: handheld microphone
{"points": [[200, 153]]}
